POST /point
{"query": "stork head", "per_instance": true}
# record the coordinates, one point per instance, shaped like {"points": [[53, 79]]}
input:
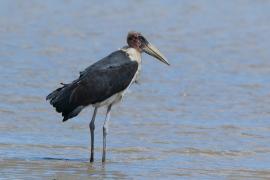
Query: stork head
{"points": [[138, 41]]}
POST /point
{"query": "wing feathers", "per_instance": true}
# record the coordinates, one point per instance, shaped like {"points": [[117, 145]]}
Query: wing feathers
{"points": [[95, 84]]}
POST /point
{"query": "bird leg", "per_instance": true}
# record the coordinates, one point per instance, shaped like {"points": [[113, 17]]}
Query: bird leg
{"points": [[105, 131], [92, 129]]}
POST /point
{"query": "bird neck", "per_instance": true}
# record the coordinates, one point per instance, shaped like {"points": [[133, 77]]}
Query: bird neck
{"points": [[134, 54]]}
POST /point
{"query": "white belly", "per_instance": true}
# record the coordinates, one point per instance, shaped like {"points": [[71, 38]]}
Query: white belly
{"points": [[111, 100]]}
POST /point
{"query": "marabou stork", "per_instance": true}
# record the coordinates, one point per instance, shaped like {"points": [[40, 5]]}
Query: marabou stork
{"points": [[104, 83]]}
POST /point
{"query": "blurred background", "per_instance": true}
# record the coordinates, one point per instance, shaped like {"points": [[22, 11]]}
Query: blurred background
{"points": [[204, 117]]}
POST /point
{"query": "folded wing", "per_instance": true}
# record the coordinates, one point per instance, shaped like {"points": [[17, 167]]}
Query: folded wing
{"points": [[96, 83]]}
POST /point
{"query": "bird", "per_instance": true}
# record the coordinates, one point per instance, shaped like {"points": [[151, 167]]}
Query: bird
{"points": [[104, 83]]}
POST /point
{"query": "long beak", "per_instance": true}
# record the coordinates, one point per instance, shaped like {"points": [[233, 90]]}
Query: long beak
{"points": [[153, 51]]}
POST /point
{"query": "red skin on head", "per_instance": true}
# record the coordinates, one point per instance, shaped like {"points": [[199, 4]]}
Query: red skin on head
{"points": [[133, 40]]}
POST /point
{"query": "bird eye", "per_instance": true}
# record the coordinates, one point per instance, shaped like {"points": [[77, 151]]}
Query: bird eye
{"points": [[142, 39]]}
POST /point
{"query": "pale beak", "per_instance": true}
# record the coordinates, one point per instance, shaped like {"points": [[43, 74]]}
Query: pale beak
{"points": [[153, 51]]}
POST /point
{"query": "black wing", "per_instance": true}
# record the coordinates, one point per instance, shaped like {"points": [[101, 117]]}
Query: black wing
{"points": [[96, 83]]}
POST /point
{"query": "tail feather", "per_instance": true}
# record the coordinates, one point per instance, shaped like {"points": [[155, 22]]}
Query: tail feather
{"points": [[73, 113], [53, 94], [60, 99]]}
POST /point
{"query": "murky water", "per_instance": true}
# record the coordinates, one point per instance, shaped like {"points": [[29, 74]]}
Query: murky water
{"points": [[204, 117]]}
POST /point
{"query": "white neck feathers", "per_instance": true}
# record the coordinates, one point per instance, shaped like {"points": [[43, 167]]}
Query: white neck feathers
{"points": [[134, 54]]}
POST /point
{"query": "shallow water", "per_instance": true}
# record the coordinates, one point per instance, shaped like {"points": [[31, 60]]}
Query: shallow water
{"points": [[204, 117]]}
